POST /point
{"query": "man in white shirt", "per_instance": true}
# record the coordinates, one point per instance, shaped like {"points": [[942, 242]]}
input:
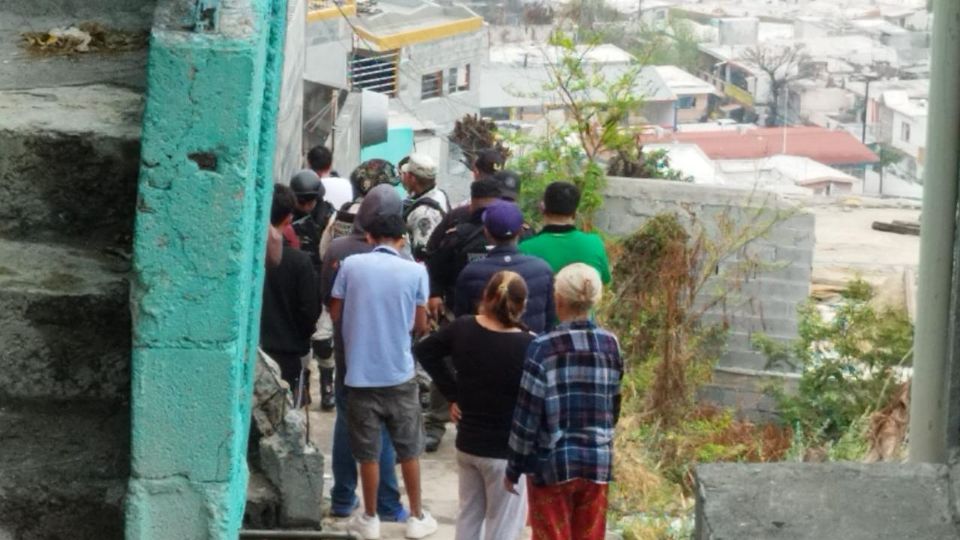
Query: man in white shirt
{"points": [[338, 191]]}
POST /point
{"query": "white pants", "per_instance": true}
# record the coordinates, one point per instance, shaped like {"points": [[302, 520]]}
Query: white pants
{"points": [[487, 510]]}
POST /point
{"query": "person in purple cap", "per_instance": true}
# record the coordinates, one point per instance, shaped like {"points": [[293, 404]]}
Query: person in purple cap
{"points": [[502, 225]]}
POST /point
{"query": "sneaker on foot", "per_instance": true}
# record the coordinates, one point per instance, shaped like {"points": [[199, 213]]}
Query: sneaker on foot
{"points": [[422, 527], [399, 517], [365, 526], [432, 443]]}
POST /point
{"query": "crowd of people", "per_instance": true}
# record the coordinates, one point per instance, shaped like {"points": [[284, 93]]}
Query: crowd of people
{"points": [[419, 313]]}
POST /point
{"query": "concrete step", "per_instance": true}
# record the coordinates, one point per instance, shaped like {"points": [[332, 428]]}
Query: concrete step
{"points": [[65, 323], [21, 68], [64, 470], [69, 161], [852, 501]]}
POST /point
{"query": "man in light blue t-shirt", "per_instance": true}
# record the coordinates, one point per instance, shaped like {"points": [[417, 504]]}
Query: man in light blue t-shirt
{"points": [[379, 298]]}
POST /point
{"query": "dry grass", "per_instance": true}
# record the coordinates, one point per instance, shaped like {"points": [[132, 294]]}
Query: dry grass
{"points": [[652, 497], [86, 37]]}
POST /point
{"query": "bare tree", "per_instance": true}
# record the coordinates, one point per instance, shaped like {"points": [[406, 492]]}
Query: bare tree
{"points": [[781, 65]]}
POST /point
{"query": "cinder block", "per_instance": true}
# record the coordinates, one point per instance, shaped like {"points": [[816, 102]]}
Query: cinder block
{"points": [[177, 508], [187, 414], [884, 501], [746, 359], [751, 323]]}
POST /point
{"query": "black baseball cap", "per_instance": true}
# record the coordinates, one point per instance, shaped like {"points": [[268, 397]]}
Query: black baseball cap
{"points": [[509, 184]]}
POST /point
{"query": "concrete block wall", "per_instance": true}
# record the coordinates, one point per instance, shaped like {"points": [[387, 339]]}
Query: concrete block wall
{"points": [[765, 302], [205, 184]]}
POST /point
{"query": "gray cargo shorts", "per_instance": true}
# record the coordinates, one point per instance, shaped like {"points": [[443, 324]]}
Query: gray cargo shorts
{"points": [[396, 407]]}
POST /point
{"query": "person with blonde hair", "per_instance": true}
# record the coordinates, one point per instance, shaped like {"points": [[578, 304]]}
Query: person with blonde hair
{"points": [[487, 352], [568, 405]]}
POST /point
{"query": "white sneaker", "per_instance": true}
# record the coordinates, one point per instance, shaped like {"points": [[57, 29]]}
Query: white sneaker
{"points": [[365, 526], [421, 528]]}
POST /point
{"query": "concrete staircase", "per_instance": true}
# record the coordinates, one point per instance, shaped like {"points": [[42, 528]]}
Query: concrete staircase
{"points": [[69, 160]]}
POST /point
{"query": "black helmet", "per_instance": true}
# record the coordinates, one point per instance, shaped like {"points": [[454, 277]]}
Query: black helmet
{"points": [[371, 173], [307, 185]]}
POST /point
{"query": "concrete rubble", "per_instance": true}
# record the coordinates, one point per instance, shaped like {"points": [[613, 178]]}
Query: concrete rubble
{"points": [[287, 475]]}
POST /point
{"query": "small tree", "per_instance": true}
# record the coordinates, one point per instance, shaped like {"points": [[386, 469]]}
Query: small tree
{"points": [[781, 66], [676, 45], [474, 134], [635, 163], [850, 364], [597, 106]]}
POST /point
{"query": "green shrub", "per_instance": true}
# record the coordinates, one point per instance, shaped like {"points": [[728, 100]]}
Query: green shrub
{"points": [[850, 364]]}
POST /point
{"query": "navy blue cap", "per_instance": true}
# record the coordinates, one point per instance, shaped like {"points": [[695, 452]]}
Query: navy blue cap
{"points": [[503, 220]]}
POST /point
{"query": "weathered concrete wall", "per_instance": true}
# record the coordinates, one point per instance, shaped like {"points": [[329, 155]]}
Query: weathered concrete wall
{"points": [[206, 177], [853, 501], [766, 301], [21, 69]]}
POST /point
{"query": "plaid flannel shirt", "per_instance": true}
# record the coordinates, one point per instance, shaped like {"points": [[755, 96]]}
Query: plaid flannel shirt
{"points": [[567, 406]]}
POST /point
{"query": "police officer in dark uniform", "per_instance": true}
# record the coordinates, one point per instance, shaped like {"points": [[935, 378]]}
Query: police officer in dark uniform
{"points": [[311, 217]]}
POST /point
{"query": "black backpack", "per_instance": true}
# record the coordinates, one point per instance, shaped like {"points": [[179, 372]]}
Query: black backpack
{"points": [[409, 206], [343, 224], [469, 245]]}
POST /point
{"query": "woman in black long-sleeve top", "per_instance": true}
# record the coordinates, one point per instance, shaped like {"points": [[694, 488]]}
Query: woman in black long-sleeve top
{"points": [[487, 352]]}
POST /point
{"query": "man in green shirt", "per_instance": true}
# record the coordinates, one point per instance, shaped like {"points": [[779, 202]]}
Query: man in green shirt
{"points": [[560, 242]]}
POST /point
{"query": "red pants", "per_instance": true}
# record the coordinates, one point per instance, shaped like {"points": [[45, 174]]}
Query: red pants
{"points": [[574, 510]]}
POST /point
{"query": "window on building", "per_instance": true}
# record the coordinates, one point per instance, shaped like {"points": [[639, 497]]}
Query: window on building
{"points": [[687, 102], [463, 78], [905, 132], [458, 79], [431, 85], [452, 81], [376, 72]]}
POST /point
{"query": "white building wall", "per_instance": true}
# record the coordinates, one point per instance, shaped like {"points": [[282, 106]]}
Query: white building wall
{"points": [[440, 113], [909, 139], [439, 56]]}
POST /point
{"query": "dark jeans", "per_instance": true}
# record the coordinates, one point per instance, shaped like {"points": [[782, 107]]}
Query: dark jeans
{"points": [[343, 496]]}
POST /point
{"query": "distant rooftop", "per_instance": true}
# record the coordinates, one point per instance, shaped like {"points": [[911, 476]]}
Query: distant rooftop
{"points": [[827, 146], [539, 54], [683, 83], [777, 173], [512, 85], [391, 24], [901, 102]]}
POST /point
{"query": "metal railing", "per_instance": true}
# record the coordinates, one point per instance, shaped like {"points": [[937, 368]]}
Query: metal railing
{"points": [[377, 73]]}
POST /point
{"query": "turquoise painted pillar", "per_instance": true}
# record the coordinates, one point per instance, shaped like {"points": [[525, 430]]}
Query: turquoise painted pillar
{"points": [[205, 183]]}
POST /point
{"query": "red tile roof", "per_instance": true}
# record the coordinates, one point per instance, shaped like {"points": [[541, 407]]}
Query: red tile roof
{"points": [[827, 146]]}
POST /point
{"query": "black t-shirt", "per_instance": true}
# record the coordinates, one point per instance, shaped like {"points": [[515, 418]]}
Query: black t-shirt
{"points": [[488, 368], [291, 305]]}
